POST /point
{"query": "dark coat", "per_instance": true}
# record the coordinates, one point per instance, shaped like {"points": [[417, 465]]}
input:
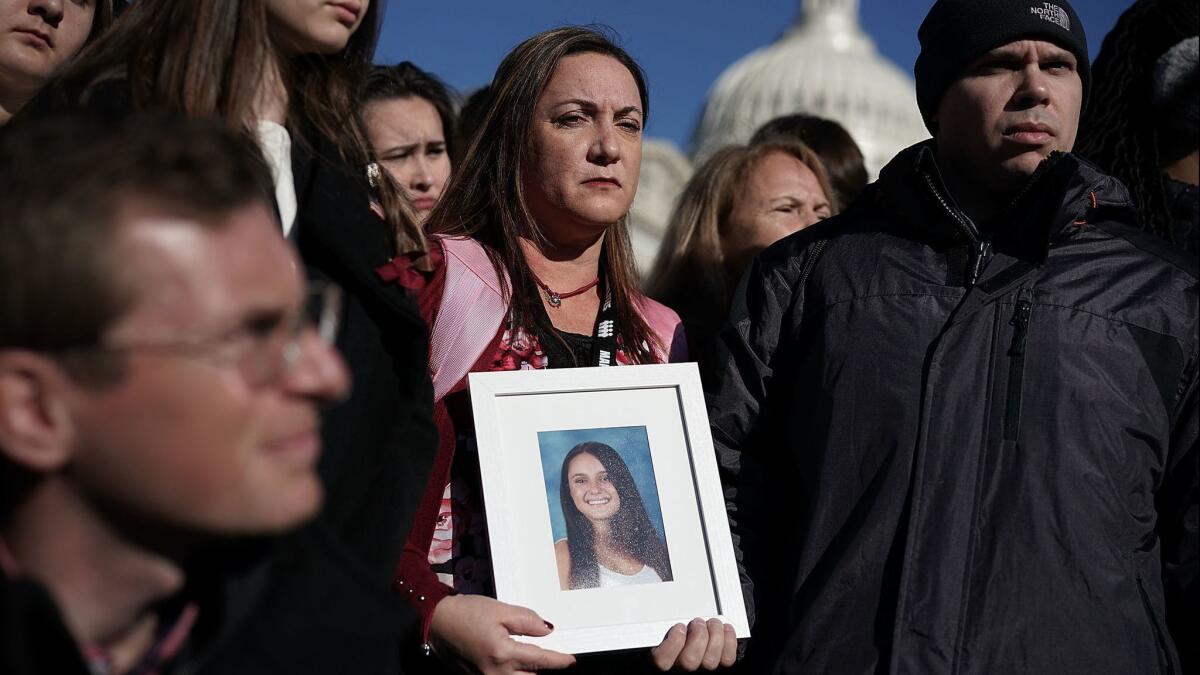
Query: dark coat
{"points": [[33, 638], [309, 607], [380, 443], [951, 455], [258, 613], [1183, 202], [224, 585]]}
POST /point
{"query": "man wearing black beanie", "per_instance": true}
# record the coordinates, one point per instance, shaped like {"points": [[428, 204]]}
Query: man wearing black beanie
{"points": [[959, 422], [957, 32], [1002, 84]]}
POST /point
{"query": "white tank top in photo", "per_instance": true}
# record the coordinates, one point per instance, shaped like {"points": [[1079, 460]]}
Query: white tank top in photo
{"points": [[609, 578]]}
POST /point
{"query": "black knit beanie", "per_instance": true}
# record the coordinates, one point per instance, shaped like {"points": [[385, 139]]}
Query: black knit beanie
{"points": [[956, 32]]}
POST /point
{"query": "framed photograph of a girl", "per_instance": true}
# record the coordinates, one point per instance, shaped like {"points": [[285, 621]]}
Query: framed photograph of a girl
{"points": [[604, 508], [606, 518]]}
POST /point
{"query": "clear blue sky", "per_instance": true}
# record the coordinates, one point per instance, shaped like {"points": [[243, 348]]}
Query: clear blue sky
{"points": [[682, 44]]}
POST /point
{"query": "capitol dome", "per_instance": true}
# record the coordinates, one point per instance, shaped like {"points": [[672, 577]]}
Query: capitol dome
{"points": [[824, 65]]}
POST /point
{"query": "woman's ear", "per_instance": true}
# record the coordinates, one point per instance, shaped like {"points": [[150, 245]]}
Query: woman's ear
{"points": [[36, 428]]}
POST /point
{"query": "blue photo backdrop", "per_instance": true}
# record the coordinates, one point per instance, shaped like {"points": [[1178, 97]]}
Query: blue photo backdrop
{"points": [[634, 448]]}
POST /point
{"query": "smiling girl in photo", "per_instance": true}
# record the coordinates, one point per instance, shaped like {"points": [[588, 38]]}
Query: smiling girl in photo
{"points": [[610, 540]]}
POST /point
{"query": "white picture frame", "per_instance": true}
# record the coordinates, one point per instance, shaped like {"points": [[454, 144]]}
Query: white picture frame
{"points": [[523, 422]]}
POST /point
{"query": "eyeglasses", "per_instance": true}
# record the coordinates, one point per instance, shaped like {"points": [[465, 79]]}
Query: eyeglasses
{"points": [[263, 349]]}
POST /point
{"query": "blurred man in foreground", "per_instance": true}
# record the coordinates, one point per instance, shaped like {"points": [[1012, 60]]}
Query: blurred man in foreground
{"points": [[159, 389]]}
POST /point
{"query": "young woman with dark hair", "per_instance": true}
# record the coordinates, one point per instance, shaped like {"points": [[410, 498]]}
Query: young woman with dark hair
{"points": [[610, 540], [287, 74], [286, 71], [412, 128], [535, 271]]}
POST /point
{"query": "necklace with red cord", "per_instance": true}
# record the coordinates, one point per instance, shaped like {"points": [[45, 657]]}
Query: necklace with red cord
{"points": [[555, 298]]}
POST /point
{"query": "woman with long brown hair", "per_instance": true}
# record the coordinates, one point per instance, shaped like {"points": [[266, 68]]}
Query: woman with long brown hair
{"points": [[743, 199], [287, 73], [535, 271]]}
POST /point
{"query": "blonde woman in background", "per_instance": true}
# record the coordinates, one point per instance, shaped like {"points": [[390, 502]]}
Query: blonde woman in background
{"points": [[742, 200]]}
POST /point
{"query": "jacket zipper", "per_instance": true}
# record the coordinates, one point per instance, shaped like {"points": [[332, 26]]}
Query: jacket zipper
{"points": [[981, 247], [1164, 657], [811, 262], [959, 218], [1022, 311], [979, 256]]}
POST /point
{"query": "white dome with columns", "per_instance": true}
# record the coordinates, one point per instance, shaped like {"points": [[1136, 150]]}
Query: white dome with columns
{"points": [[824, 65]]}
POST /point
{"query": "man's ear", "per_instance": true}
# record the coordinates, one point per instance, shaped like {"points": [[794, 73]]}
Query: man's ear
{"points": [[36, 427]]}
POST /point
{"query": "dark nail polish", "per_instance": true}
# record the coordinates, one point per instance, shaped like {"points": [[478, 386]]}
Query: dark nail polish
{"points": [[548, 625]]}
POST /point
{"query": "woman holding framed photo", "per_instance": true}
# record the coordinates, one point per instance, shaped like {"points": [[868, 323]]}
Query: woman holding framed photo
{"points": [[533, 269]]}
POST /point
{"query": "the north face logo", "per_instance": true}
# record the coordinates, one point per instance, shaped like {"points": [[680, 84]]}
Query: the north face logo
{"points": [[1052, 13]]}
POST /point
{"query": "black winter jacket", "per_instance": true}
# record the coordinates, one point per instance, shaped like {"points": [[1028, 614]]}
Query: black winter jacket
{"points": [[379, 444], [344, 625], [950, 455], [1183, 200]]}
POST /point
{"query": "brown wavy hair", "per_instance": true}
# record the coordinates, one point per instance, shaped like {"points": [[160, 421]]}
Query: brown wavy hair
{"points": [[206, 59], [485, 199]]}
